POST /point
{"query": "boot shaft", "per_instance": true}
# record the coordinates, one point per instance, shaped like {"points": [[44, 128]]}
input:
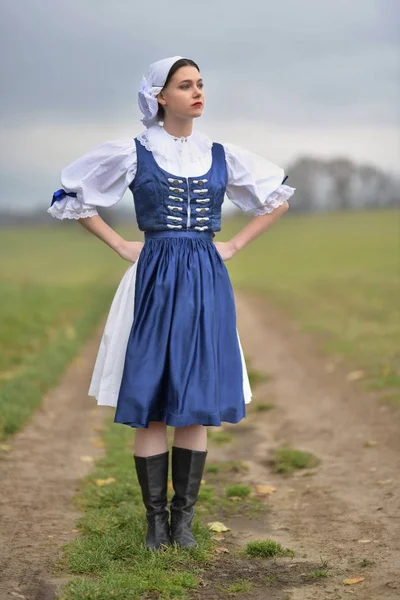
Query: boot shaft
{"points": [[152, 473], [187, 472]]}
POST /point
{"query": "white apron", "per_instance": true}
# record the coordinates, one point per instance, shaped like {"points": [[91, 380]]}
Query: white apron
{"points": [[109, 366]]}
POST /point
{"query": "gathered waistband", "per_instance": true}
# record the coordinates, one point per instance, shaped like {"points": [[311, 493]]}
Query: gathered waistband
{"points": [[187, 233]]}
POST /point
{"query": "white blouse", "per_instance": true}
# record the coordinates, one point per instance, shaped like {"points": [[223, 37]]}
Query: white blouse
{"points": [[101, 176]]}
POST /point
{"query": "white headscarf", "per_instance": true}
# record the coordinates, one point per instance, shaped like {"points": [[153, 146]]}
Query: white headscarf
{"points": [[151, 86]]}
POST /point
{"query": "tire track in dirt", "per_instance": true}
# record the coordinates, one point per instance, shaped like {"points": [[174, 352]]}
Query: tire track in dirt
{"points": [[39, 476], [355, 492], [352, 495]]}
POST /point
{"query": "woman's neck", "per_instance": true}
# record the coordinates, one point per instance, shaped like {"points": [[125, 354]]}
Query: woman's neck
{"points": [[178, 128]]}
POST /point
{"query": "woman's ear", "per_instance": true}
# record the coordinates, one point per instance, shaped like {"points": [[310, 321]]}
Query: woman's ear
{"points": [[161, 99]]}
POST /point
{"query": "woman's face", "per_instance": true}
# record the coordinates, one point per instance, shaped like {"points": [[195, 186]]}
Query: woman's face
{"points": [[183, 97]]}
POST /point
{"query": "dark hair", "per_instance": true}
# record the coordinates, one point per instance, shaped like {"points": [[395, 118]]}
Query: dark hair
{"points": [[182, 62]]}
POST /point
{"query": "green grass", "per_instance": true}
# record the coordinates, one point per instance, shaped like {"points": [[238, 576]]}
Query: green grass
{"points": [[109, 560], [288, 460], [256, 377], [335, 274], [267, 549], [55, 286], [264, 406], [317, 574], [220, 437], [229, 466], [212, 468], [65, 255], [338, 276], [236, 587], [35, 359], [206, 493], [241, 490]]}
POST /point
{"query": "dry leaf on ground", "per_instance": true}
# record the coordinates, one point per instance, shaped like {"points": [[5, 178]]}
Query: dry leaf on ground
{"points": [[218, 526], [107, 481], [221, 550], [87, 458], [353, 580], [354, 375], [264, 490]]}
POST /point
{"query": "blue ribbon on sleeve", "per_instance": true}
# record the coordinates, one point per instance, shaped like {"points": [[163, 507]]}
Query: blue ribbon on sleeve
{"points": [[284, 179], [60, 195]]}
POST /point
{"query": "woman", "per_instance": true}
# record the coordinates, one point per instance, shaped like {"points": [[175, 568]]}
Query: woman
{"points": [[170, 353]]}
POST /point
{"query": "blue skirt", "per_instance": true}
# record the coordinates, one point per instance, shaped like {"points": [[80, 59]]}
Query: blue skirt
{"points": [[183, 363]]}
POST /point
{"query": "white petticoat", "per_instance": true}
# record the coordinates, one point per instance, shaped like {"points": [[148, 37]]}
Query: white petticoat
{"points": [[109, 366]]}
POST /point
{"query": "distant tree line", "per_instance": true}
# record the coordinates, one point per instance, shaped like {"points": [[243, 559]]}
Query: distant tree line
{"points": [[321, 185], [340, 184]]}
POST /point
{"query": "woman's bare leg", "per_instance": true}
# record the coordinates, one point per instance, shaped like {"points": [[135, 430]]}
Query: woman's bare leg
{"points": [[151, 440], [192, 437]]}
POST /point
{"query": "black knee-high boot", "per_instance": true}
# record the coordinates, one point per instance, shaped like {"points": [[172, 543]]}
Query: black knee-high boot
{"points": [[152, 472], [187, 472]]}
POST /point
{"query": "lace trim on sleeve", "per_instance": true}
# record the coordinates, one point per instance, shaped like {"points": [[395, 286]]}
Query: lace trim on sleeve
{"points": [[64, 210], [274, 200]]}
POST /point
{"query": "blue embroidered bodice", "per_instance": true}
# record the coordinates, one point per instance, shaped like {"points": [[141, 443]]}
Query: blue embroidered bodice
{"points": [[165, 201]]}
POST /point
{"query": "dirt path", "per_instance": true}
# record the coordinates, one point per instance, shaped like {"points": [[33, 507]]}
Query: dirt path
{"points": [[347, 512], [39, 474]]}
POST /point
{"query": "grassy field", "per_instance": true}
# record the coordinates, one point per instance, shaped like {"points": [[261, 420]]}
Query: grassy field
{"points": [[109, 559], [55, 285], [337, 275]]}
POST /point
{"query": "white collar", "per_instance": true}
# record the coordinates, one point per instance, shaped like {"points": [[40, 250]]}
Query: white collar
{"points": [[157, 139]]}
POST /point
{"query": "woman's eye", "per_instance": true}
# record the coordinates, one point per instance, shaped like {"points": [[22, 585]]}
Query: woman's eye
{"points": [[186, 86]]}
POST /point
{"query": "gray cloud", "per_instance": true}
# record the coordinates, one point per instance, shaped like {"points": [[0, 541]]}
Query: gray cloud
{"points": [[300, 61], [283, 78]]}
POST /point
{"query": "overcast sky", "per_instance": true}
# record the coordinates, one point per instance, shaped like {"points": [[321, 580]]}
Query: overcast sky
{"points": [[282, 78]]}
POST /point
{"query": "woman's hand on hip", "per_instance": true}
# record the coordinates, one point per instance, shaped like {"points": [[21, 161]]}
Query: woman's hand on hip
{"points": [[130, 250], [225, 249]]}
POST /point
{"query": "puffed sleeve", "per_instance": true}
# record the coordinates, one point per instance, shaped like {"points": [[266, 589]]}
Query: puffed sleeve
{"points": [[254, 184], [98, 178]]}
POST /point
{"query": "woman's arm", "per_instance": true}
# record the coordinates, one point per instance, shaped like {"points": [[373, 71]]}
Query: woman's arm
{"points": [[99, 178], [256, 186], [127, 250], [250, 231]]}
